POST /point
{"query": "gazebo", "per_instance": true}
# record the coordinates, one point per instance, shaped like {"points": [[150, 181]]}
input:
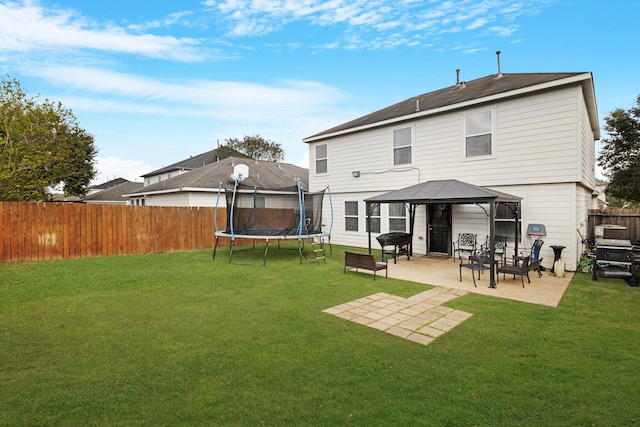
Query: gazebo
{"points": [[449, 191]]}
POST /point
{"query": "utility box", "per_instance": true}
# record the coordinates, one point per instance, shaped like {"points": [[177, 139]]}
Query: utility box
{"points": [[611, 231]]}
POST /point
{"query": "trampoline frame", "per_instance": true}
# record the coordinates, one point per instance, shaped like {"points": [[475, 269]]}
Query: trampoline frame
{"points": [[266, 239]]}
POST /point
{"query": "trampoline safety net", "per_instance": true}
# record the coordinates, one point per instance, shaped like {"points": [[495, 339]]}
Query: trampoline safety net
{"points": [[273, 215]]}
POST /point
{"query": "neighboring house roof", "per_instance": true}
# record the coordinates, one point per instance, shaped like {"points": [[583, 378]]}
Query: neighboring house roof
{"points": [[444, 192], [58, 197], [115, 193], [108, 184], [601, 188], [262, 176], [191, 163], [464, 94]]}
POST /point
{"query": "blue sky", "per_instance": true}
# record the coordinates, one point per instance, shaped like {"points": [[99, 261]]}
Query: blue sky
{"points": [[158, 81]]}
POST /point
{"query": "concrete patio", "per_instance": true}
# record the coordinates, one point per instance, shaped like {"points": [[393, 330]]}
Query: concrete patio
{"points": [[441, 271]]}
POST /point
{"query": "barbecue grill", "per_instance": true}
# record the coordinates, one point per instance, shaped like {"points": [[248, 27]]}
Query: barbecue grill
{"points": [[614, 258], [399, 241]]}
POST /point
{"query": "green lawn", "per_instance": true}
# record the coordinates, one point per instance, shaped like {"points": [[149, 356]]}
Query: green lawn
{"points": [[181, 339]]}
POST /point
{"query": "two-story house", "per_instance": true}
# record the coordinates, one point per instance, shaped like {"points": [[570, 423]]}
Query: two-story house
{"points": [[530, 135]]}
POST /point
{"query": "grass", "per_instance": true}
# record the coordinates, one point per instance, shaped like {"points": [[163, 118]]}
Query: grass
{"points": [[181, 339]]}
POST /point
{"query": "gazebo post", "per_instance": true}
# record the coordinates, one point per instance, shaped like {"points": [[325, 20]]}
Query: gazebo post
{"points": [[517, 217], [368, 210], [412, 220], [492, 247]]}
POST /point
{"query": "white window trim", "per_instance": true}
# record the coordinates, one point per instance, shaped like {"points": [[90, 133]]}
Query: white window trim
{"points": [[494, 137], [413, 145]]}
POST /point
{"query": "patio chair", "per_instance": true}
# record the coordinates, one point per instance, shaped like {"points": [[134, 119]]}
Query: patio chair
{"points": [[500, 247], [478, 262], [517, 269], [466, 243], [534, 255]]}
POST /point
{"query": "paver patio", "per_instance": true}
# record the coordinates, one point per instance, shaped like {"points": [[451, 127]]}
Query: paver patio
{"points": [[420, 318]]}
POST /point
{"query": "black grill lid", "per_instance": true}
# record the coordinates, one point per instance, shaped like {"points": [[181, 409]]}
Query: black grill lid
{"points": [[614, 243]]}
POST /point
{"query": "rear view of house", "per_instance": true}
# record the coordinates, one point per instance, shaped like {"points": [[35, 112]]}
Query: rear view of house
{"points": [[530, 135]]}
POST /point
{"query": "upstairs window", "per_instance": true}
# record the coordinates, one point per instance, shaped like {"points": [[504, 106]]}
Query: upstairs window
{"points": [[321, 158], [478, 128], [402, 146]]}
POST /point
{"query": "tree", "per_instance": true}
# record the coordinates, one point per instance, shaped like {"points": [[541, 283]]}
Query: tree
{"points": [[620, 153], [41, 146], [257, 148]]}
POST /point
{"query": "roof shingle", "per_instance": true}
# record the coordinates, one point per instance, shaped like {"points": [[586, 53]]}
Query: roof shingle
{"points": [[450, 96], [115, 193], [193, 162], [263, 175]]}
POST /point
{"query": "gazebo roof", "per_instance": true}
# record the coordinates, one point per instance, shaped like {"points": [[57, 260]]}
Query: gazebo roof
{"points": [[444, 192]]}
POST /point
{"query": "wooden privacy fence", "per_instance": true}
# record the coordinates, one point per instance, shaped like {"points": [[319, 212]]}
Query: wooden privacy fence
{"points": [[629, 218], [42, 231]]}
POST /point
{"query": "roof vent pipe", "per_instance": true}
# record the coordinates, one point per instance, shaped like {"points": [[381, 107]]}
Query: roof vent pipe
{"points": [[417, 105], [499, 70], [457, 77]]}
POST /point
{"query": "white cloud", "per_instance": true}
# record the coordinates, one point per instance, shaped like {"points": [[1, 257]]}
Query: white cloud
{"points": [[112, 167], [259, 17], [304, 161], [170, 20], [503, 31], [478, 23], [206, 98], [474, 50], [286, 111], [28, 27]]}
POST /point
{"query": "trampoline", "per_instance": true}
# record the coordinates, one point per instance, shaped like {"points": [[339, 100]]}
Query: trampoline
{"points": [[267, 215]]}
